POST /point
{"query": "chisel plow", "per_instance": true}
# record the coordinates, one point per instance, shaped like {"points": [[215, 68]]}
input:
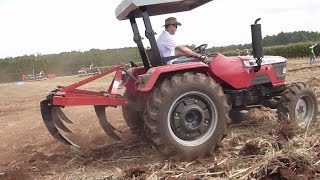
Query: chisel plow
{"points": [[55, 119]]}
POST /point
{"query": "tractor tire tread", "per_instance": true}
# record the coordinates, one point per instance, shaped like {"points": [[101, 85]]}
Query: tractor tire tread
{"points": [[152, 116], [284, 109]]}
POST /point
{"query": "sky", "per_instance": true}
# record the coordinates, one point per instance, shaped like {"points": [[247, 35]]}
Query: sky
{"points": [[54, 26]]}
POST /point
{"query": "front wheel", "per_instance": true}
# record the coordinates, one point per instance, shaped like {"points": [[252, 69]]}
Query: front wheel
{"points": [[299, 104], [186, 116]]}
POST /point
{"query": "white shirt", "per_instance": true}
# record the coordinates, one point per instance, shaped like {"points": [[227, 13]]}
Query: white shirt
{"points": [[166, 44]]}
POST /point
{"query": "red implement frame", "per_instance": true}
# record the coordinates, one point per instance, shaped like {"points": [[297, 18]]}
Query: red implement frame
{"points": [[70, 96]]}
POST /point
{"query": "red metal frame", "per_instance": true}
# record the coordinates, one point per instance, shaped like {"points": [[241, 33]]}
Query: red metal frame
{"points": [[70, 96], [157, 71]]}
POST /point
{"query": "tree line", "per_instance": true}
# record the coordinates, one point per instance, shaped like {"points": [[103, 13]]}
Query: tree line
{"points": [[293, 50], [283, 38], [293, 44]]}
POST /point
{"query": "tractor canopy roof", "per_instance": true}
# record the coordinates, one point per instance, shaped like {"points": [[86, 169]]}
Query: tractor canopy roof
{"points": [[155, 7]]}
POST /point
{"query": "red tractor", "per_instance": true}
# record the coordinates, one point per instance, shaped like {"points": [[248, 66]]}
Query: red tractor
{"points": [[184, 108]]}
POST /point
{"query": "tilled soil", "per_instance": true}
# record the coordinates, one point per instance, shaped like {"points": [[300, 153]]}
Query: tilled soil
{"points": [[258, 147]]}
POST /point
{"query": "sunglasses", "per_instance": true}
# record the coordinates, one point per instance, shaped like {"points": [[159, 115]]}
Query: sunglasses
{"points": [[175, 25]]}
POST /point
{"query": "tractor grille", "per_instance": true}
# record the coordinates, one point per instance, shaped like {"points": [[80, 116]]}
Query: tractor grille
{"points": [[261, 79], [280, 69]]}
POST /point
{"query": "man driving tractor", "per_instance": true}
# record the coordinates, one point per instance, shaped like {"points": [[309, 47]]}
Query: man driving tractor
{"points": [[168, 47]]}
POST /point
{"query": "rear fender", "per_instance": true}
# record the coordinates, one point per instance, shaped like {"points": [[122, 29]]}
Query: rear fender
{"points": [[131, 83], [148, 80]]}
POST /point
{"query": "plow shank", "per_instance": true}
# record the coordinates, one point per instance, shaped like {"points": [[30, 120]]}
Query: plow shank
{"points": [[106, 126], [48, 121]]}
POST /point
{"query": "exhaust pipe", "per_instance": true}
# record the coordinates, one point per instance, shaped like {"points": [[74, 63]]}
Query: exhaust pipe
{"points": [[257, 44]]}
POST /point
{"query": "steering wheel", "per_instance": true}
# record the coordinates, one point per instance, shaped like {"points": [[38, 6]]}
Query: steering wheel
{"points": [[200, 49]]}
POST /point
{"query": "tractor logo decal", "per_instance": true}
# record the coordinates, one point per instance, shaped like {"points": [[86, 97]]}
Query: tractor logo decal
{"points": [[265, 60]]}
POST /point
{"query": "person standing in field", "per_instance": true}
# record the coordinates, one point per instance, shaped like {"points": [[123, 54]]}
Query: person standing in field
{"points": [[247, 52], [312, 55]]}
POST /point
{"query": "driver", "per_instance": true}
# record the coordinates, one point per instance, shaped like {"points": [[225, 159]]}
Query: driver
{"points": [[168, 48]]}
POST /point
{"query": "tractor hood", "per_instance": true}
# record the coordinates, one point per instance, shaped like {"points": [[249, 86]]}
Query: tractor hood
{"points": [[249, 61], [156, 7]]}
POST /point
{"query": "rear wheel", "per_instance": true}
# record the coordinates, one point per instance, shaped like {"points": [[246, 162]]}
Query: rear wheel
{"points": [[186, 116], [299, 104]]}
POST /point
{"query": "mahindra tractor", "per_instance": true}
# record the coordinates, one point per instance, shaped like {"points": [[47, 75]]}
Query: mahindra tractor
{"points": [[183, 108]]}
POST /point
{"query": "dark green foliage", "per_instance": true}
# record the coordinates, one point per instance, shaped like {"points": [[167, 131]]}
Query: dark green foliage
{"points": [[274, 40], [292, 50], [291, 37], [287, 51]]}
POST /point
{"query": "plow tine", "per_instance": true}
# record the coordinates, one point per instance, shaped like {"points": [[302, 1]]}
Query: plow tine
{"points": [[106, 126], [57, 121], [62, 116], [49, 122]]}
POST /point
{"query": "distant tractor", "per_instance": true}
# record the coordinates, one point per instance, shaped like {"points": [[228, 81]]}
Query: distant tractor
{"points": [[89, 71], [34, 76], [184, 108]]}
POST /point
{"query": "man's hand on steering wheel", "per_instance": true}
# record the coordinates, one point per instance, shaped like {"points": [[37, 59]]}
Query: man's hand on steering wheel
{"points": [[202, 57], [200, 50]]}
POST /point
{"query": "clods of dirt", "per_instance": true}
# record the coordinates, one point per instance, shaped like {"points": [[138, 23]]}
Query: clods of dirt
{"points": [[314, 81], [249, 149], [13, 174], [283, 174], [41, 157], [291, 168], [135, 172], [284, 131], [286, 173]]}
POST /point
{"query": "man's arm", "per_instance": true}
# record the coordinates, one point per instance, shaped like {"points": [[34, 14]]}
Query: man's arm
{"points": [[314, 45], [185, 51]]}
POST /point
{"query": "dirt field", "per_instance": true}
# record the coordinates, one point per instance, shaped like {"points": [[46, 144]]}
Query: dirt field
{"points": [[258, 147]]}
